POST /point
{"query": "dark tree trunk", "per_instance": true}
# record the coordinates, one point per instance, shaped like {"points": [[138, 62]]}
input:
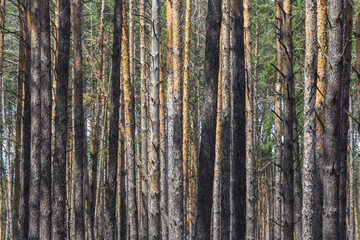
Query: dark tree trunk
{"points": [[46, 101], [61, 123], [79, 120], [26, 147], [348, 24], [237, 165], [332, 125], [207, 146], [35, 154], [114, 125]]}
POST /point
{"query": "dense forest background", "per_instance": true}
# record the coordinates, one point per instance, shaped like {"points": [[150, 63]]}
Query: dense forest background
{"points": [[193, 119]]}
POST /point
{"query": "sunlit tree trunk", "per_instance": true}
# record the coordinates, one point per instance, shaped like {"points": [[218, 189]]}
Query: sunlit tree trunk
{"points": [[309, 180], [332, 124]]}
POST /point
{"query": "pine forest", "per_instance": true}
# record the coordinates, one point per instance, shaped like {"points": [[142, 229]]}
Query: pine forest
{"points": [[180, 119]]}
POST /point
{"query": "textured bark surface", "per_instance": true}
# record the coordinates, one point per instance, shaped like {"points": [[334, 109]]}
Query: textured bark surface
{"points": [[46, 116], [35, 154], [78, 121], [26, 139], [175, 160], [357, 37], [143, 114], [278, 125], [320, 109], [208, 132], [237, 165], [289, 104], [250, 155], [351, 197], [110, 196], [345, 88], [332, 124], [129, 132], [309, 165], [154, 151]]}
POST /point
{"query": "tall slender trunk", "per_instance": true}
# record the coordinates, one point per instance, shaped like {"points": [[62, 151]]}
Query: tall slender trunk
{"points": [[129, 131], [345, 86], [176, 208], [79, 120], [26, 147], [143, 113], [238, 163], [154, 151], [35, 155], [208, 125], [320, 110], [46, 101], [9, 175], [332, 124], [114, 124], [352, 230], [250, 155], [309, 180], [278, 125], [289, 104], [357, 38]]}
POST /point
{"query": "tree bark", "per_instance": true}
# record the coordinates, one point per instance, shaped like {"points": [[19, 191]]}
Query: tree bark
{"points": [[154, 151], [79, 120], [309, 180], [238, 163], [175, 160], [207, 145], [46, 116], [35, 154], [289, 104], [114, 124], [332, 124], [351, 197]]}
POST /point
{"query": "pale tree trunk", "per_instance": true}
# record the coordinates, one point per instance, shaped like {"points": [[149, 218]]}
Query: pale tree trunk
{"points": [[309, 180], [35, 154], [154, 151], [237, 164], [175, 161], [332, 124], [352, 185], [345, 86], [289, 104], [46, 101], [278, 125], [250, 155], [357, 38], [9, 176], [208, 134], [79, 121], [129, 131], [110, 189], [143, 113]]}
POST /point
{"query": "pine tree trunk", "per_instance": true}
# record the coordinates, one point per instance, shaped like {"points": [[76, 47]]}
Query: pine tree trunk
{"points": [[351, 197], [278, 126], [357, 37], [208, 125], [332, 124], [35, 154], [309, 180], [46, 101], [129, 131], [348, 11], [289, 104], [26, 147], [238, 165], [154, 151], [79, 120], [176, 208]]}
